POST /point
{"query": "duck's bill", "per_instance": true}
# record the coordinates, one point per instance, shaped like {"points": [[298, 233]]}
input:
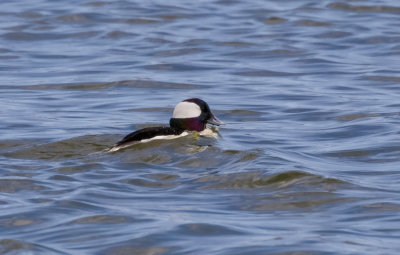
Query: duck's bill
{"points": [[214, 121]]}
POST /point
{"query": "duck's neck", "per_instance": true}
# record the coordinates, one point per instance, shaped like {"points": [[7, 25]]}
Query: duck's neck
{"points": [[192, 124]]}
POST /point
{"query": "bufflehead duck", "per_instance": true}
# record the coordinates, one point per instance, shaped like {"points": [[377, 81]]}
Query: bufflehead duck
{"points": [[189, 115]]}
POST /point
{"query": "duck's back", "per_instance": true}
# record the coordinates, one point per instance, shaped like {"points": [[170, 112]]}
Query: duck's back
{"points": [[148, 133]]}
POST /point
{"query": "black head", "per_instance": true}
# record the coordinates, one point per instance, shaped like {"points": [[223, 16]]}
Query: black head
{"points": [[193, 114]]}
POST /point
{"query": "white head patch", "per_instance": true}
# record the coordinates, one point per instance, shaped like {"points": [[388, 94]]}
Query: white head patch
{"points": [[185, 110]]}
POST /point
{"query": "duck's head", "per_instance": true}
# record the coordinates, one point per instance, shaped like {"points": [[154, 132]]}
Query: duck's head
{"points": [[193, 114]]}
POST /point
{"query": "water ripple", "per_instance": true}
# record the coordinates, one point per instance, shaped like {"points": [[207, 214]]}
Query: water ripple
{"points": [[308, 89]]}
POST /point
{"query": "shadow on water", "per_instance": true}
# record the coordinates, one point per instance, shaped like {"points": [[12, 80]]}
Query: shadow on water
{"points": [[12, 246], [77, 147]]}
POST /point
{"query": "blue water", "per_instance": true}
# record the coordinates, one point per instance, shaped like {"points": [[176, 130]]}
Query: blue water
{"points": [[308, 162]]}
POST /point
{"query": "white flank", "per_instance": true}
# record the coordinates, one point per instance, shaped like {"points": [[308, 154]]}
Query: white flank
{"points": [[160, 137], [185, 110], [210, 132]]}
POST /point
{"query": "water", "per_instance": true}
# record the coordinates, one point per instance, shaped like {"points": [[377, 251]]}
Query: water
{"points": [[308, 162]]}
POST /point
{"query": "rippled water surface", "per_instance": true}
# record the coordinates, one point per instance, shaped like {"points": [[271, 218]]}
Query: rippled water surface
{"points": [[308, 163]]}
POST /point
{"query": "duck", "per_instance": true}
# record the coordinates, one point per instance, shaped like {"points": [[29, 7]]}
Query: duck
{"points": [[191, 114]]}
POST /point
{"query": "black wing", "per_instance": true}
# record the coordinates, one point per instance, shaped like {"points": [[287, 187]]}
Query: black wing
{"points": [[147, 133]]}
